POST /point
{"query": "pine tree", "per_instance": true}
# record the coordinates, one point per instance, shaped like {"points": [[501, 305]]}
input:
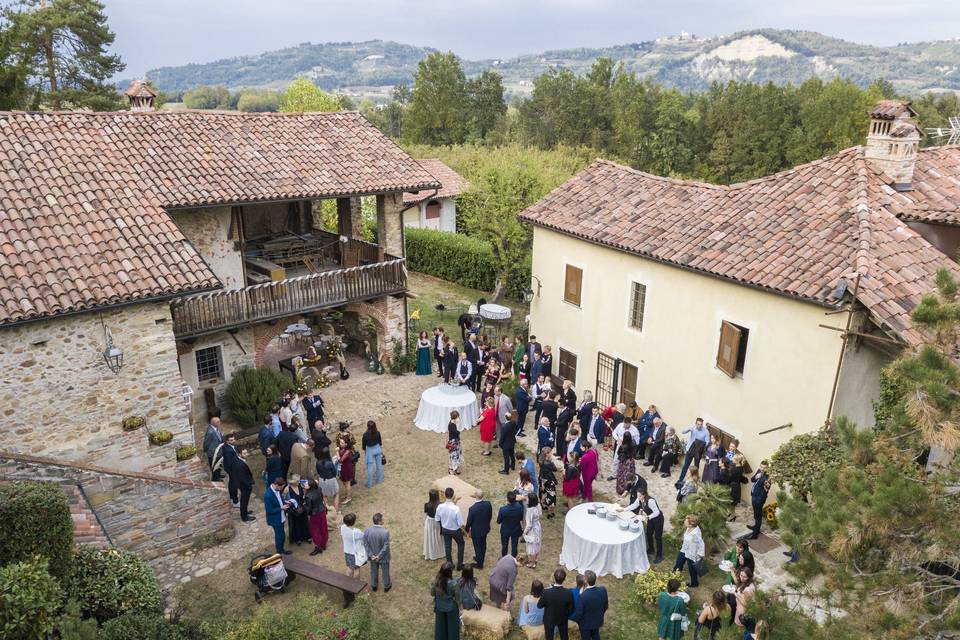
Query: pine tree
{"points": [[67, 43]]}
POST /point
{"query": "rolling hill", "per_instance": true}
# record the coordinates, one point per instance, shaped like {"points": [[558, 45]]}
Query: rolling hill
{"points": [[370, 69]]}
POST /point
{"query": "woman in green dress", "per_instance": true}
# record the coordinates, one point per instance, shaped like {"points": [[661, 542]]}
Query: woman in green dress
{"points": [[424, 364], [446, 611], [672, 608]]}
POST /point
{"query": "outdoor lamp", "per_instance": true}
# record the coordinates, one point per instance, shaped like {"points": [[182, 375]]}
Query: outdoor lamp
{"points": [[528, 292], [113, 355]]}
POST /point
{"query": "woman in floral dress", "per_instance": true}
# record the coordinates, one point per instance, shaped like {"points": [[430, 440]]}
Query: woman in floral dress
{"points": [[548, 481], [453, 443]]}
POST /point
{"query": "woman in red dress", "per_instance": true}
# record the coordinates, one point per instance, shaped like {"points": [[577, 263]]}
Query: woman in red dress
{"points": [[571, 480], [488, 425]]}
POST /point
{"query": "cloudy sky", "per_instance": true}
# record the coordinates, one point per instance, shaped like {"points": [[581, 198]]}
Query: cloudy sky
{"points": [[152, 33]]}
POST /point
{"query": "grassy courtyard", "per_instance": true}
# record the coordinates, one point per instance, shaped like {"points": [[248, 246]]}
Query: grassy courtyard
{"points": [[415, 459]]}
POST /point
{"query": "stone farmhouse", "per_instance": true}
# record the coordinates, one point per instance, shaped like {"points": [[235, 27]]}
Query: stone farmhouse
{"points": [[766, 307], [435, 209], [145, 256]]}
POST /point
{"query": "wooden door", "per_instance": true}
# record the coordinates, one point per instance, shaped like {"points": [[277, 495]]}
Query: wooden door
{"points": [[628, 383]]}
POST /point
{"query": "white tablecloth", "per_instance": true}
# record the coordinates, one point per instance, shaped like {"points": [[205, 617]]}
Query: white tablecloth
{"points": [[601, 546], [297, 327], [437, 402], [495, 311]]}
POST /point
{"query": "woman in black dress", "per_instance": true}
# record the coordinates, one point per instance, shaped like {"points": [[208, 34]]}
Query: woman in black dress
{"points": [[274, 465], [298, 517], [548, 481]]}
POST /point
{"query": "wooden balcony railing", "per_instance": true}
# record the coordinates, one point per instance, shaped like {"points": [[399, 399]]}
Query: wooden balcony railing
{"points": [[209, 312]]}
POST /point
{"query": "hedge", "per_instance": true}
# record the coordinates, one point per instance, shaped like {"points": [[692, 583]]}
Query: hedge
{"points": [[461, 259], [29, 599], [108, 583], [35, 521]]}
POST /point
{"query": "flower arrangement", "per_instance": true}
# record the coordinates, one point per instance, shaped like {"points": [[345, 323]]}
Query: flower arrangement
{"points": [[160, 437], [133, 423], [185, 452], [770, 514], [323, 381]]}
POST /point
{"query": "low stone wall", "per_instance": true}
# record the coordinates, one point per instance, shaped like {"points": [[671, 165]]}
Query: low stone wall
{"points": [[150, 514]]}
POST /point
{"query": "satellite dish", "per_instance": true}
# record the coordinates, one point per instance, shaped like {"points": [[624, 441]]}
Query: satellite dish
{"points": [[951, 133]]}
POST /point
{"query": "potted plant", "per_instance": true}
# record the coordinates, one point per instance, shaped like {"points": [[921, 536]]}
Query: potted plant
{"points": [[185, 452], [132, 423], [161, 436]]}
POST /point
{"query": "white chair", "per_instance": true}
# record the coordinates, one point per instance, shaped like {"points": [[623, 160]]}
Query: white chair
{"points": [[284, 339]]}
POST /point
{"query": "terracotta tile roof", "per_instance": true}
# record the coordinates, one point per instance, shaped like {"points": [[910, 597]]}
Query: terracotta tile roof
{"points": [[83, 195], [935, 196], [452, 183], [796, 233], [891, 109]]}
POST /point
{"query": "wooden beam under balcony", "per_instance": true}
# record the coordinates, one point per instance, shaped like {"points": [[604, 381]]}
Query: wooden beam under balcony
{"points": [[228, 308]]}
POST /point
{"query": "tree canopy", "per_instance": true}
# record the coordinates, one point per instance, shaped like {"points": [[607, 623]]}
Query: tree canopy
{"points": [[304, 96], [59, 49]]}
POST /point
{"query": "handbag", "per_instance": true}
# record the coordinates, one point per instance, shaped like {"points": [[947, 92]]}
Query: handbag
{"points": [[702, 567], [383, 460]]}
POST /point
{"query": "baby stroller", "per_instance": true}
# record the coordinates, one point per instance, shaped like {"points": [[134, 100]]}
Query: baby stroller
{"points": [[267, 573]]}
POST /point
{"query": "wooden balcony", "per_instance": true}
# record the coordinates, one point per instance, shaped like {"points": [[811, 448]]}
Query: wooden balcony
{"points": [[210, 312]]}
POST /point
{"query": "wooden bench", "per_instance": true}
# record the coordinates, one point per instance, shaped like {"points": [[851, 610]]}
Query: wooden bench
{"points": [[351, 588]]}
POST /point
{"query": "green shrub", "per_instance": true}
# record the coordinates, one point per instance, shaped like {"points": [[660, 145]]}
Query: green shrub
{"points": [[139, 626], [185, 452], [402, 361], [71, 625], [253, 392], [312, 617], [452, 257], [509, 388], [110, 582], [647, 586], [35, 520], [803, 459], [29, 599], [711, 504], [160, 437]]}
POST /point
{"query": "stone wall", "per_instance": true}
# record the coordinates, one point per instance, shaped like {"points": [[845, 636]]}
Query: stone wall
{"points": [[60, 399], [236, 350], [390, 223], [208, 230], [149, 514]]}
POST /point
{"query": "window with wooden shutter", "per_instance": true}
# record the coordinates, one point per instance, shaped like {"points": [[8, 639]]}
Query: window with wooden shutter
{"points": [[638, 299], [732, 353], [567, 368], [433, 210], [572, 285]]}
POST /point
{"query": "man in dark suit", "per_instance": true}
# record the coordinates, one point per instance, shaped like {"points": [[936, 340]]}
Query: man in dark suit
{"points": [[478, 526], [655, 443], [758, 497], [313, 405], [510, 519], [244, 480], [285, 442], [591, 607], [546, 362], [229, 453], [522, 398], [473, 355], [597, 426], [533, 347], [265, 439], [212, 439], [557, 605], [507, 442], [449, 359]]}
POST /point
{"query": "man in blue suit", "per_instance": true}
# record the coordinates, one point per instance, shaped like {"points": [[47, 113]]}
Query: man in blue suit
{"points": [[522, 396], [276, 508], [510, 519], [478, 526], [590, 608]]}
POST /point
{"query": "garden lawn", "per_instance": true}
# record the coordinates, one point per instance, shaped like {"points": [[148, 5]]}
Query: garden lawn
{"points": [[415, 459]]}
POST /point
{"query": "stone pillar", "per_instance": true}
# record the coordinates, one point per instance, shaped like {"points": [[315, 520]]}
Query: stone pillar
{"points": [[390, 224], [349, 218]]}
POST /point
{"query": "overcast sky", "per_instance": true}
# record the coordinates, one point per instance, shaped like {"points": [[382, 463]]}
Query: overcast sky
{"points": [[153, 33]]}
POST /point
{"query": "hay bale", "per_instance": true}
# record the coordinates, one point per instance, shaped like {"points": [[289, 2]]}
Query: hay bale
{"points": [[489, 623], [534, 632], [462, 492]]}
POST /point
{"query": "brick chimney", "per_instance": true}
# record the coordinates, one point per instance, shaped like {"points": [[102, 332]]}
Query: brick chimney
{"points": [[140, 96], [893, 141]]}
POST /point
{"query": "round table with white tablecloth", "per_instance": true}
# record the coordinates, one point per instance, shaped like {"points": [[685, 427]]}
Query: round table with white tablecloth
{"points": [[600, 545], [438, 401]]}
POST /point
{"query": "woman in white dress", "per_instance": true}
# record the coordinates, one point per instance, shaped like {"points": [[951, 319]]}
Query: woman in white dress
{"points": [[533, 532], [432, 541]]}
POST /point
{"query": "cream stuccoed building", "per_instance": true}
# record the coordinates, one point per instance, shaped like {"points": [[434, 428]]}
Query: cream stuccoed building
{"points": [[766, 307]]}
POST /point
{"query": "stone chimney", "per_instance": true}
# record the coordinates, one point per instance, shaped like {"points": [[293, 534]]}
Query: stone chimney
{"points": [[140, 96], [893, 141]]}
